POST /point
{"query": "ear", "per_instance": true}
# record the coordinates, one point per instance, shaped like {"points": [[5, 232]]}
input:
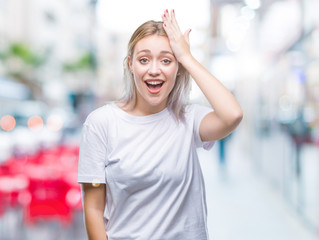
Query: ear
{"points": [[129, 62]]}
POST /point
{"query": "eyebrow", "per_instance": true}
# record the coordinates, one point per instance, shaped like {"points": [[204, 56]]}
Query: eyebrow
{"points": [[148, 51]]}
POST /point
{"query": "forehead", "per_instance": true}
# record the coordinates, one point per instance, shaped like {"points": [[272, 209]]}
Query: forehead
{"points": [[154, 44]]}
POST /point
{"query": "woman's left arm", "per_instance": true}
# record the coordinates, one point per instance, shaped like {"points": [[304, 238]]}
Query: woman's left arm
{"points": [[227, 112]]}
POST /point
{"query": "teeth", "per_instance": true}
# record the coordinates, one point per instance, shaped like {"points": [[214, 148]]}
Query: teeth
{"points": [[154, 83]]}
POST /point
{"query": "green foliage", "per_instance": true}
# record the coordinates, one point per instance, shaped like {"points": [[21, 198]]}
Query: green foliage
{"points": [[23, 52], [2, 56], [86, 62]]}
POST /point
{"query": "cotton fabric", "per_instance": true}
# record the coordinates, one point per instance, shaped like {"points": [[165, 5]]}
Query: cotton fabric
{"points": [[154, 184]]}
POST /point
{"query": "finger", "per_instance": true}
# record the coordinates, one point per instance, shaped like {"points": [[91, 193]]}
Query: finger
{"points": [[167, 23], [173, 18], [169, 31], [170, 25], [173, 13], [186, 35], [170, 16], [163, 18], [174, 22], [166, 15]]}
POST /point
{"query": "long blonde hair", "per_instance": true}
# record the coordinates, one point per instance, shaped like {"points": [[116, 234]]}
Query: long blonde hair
{"points": [[178, 97]]}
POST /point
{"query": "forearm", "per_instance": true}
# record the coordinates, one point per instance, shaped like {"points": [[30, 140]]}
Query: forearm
{"points": [[223, 102], [225, 106], [93, 205], [94, 223]]}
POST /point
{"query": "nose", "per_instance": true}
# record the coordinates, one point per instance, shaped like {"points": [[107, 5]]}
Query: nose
{"points": [[154, 68]]}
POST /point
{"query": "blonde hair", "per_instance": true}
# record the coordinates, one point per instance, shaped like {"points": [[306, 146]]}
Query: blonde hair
{"points": [[178, 97]]}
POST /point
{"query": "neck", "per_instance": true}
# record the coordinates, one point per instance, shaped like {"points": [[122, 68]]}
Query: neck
{"points": [[141, 108]]}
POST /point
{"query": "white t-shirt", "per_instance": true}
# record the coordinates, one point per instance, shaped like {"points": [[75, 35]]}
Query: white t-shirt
{"points": [[154, 184]]}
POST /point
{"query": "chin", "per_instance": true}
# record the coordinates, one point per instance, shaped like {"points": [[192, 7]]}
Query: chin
{"points": [[156, 102]]}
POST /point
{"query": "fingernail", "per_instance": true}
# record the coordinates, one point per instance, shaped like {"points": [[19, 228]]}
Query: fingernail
{"points": [[164, 25], [166, 10], [173, 11]]}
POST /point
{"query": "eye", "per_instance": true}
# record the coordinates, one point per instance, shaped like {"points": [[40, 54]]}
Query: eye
{"points": [[143, 60], [166, 61]]}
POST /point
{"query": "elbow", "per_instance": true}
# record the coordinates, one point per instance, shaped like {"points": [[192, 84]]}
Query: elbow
{"points": [[237, 116]]}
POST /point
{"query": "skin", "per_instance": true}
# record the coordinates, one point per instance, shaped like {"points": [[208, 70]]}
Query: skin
{"points": [[152, 60], [153, 64], [227, 112], [93, 206]]}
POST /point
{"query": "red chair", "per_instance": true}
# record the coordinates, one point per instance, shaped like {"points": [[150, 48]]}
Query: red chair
{"points": [[11, 186], [48, 201], [49, 190]]}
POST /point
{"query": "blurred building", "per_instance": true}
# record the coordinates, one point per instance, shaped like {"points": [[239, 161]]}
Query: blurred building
{"points": [[62, 32]]}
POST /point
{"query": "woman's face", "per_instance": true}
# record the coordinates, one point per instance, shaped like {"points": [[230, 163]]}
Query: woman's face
{"points": [[154, 69]]}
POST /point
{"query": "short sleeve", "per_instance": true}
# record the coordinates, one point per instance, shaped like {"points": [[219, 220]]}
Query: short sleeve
{"points": [[200, 112], [92, 157]]}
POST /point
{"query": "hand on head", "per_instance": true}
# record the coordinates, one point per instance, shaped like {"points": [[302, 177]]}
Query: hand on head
{"points": [[179, 42]]}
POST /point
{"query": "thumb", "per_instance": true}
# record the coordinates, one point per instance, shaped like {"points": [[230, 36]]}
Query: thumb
{"points": [[186, 35]]}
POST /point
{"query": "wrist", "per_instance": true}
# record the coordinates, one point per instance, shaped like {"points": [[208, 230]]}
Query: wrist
{"points": [[187, 60]]}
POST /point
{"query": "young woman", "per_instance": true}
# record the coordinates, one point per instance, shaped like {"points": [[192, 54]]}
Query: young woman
{"points": [[138, 165]]}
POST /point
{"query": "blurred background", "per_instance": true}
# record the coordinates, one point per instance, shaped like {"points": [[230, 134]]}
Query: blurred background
{"points": [[59, 60]]}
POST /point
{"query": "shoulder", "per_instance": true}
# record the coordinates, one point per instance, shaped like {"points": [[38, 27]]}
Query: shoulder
{"points": [[195, 108], [99, 116], [195, 113]]}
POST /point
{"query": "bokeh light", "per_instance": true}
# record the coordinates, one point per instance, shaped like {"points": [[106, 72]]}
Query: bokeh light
{"points": [[73, 197], [35, 123], [8, 123], [54, 123]]}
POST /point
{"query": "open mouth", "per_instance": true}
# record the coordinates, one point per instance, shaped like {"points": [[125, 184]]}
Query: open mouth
{"points": [[154, 86]]}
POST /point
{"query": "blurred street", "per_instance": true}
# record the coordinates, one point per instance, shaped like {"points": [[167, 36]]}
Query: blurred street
{"points": [[244, 205]]}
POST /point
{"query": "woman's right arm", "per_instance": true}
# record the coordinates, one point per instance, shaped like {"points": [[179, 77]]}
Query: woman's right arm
{"points": [[93, 205]]}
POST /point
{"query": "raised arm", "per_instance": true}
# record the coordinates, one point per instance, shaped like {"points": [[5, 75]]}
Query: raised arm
{"points": [[227, 112], [93, 205]]}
